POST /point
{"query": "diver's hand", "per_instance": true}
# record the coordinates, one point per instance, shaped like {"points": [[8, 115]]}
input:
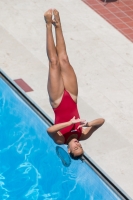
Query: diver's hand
{"points": [[83, 124], [74, 121]]}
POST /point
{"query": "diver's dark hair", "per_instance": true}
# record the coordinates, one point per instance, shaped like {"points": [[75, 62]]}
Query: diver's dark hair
{"points": [[76, 157]]}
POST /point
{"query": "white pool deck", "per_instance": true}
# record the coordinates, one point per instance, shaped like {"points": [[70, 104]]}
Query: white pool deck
{"points": [[103, 61]]}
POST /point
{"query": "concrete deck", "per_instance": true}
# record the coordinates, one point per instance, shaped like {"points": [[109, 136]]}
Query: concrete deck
{"points": [[103, 61]]}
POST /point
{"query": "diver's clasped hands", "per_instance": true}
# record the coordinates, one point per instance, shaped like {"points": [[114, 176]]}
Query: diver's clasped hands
{"points": [[82, 122]]}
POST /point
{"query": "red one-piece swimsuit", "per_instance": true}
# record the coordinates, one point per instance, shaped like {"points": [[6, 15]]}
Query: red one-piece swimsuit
{"points": [[66, 110]]}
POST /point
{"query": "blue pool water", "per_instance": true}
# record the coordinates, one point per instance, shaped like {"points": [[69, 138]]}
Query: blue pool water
{"points": [[30, 167]]}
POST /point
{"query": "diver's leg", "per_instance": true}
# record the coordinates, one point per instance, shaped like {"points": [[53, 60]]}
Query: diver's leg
{"points": [[55, 81], [68, 74]]}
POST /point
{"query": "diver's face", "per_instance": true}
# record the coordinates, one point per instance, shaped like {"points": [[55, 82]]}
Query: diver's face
{"points": [[75, 147]]}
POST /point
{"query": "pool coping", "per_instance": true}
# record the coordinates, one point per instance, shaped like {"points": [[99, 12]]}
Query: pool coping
{"points": [[118, 191]]}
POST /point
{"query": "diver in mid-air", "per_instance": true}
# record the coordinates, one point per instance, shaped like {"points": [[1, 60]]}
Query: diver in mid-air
{"points": [[63, 92]]}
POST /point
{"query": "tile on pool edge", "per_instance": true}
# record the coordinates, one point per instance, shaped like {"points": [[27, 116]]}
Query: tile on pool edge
{"points": [[23, 85]]}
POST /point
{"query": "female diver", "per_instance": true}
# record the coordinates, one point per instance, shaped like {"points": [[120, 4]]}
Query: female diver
{"points": [[63, 91]]}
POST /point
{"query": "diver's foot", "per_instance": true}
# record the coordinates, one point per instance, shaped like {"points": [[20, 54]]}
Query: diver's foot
{"points": [[48, 17], [56, 21]]}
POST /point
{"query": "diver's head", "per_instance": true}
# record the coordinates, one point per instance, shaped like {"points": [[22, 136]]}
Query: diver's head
{"points": [[75, 149]]}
